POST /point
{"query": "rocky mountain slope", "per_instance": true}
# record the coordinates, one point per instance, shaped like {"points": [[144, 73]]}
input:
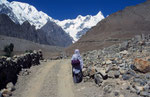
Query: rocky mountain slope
{"points": [[50, 35], [56, 34], [20, 12], [116, 28], [121, 69]]}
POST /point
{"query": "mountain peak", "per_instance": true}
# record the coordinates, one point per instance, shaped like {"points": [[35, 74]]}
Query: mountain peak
{"points": [[80, 25], [24, 6], [99, 14], [79, 16], [3, 1]]}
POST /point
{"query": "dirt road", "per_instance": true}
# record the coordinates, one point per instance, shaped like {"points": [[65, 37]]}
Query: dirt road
{"points": [[52, 79]]}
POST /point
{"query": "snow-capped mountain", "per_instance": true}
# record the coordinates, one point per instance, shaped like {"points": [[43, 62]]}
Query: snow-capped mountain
{"points": [[79, 26], [25, 12], [26, 18], [20, 12]]}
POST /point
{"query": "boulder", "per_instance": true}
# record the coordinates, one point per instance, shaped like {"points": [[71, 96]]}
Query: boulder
{"points": [[10, 86], [142, 65], [98, 79], [117, 74], [102, 72], [122, 71], [91, 71], [125, 52], [113, 74], [126, 77], [108, 89]]}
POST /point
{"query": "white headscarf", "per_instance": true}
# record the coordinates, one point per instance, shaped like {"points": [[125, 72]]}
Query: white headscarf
{"points": [[75, 56], [77, 51]]}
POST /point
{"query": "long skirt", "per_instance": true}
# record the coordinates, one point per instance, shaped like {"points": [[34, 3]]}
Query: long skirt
{"points": [[77, 78]]}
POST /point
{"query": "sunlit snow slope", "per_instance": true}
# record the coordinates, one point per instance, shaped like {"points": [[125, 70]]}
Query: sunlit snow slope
{"points": [[20, 12]]}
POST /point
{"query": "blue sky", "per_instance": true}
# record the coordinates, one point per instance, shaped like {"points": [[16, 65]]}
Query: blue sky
{"points": [[69, 9]]}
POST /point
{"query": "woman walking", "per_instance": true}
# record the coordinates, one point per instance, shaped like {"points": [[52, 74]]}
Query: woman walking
{"points": [[77, 66]]}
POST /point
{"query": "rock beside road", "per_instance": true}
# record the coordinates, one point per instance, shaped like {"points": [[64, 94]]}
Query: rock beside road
{"points": [[142, 65], [128, 62]]}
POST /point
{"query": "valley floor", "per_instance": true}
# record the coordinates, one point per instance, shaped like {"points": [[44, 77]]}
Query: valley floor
{"points": [[54, 79]]}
